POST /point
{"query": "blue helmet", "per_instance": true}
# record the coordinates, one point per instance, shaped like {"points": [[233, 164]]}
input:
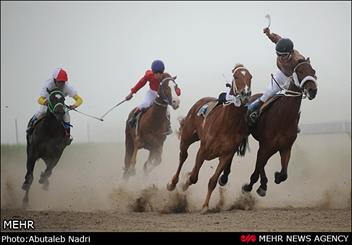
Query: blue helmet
{"points": [[158, 66]]}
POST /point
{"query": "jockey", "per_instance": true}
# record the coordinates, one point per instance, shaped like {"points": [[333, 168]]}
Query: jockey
{"points": [[152, 76], [287, 58], [58, 80]]}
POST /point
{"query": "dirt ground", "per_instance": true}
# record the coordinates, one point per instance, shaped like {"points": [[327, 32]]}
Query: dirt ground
{"points": [[87, 192], [274, 219]]}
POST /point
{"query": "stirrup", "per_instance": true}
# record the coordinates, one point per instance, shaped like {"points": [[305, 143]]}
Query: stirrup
{"points": [[253, 117], [132, 122]]}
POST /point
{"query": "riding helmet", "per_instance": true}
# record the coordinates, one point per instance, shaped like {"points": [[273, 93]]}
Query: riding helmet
{"points": [[284, 46], [60, 74], [158, 66]]}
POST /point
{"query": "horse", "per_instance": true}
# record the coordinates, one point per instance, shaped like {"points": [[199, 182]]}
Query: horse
{"points": [[150, 131], [46, 141], [277, 126], [222, 133]]}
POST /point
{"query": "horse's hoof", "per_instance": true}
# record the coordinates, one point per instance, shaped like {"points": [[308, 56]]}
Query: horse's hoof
{"points": [[185, 186], [246, 188], [223, 180], [204, 210], [26, 186], [25, 202], [170, 187], [46, 185], [261, 192], [279, 177]]}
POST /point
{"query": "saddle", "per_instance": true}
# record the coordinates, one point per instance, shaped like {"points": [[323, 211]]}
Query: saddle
{"points": [[268, 103]]}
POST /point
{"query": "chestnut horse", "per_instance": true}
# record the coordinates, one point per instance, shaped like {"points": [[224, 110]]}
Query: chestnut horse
{"points": [[276, 128], [221, 133], [150, 131]]}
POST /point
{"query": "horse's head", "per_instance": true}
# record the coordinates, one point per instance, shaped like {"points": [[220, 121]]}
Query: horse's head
{"points": [[241, 83], [56, 103], [304, 77], [169, 91]]}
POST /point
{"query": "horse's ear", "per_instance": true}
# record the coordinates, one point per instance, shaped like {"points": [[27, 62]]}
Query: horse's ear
{"points": [[174, 78], [308, 59]]}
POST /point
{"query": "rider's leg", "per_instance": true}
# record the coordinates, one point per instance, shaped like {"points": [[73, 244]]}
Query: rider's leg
{"points": [[68, 137], [39, 114], [272, 89], [147, 101]]}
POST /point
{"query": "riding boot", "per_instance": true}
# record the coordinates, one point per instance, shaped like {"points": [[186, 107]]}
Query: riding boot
{"points": [[31, 123], [253, 111], [133, 120], [68, 138]]}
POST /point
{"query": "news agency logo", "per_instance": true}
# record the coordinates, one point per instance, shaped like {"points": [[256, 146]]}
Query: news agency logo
{"points": [[248, 238]]}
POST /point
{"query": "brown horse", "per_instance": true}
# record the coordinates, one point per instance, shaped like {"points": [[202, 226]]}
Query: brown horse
{"points": [[150, 132], [222, 133], [276, 128]]}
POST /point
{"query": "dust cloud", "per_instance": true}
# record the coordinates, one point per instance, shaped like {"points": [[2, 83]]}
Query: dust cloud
{"points": [[89, 177]]}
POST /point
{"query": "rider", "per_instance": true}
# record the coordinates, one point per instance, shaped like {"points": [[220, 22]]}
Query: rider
{"points": [[287, 58], [58, 80], [154, 77]]}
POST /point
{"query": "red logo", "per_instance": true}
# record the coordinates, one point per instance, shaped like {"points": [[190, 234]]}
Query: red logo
{"points": [[248, 238]]}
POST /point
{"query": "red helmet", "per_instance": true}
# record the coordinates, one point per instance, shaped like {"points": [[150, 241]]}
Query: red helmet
{"points": [[60, 74]]}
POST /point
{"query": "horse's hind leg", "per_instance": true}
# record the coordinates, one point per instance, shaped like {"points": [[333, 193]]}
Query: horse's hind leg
{"points": [[130, 169], [263, 183], [224, 162], [50, 164], [28, 179], [188, 137], [285, 158], [224, 177]]}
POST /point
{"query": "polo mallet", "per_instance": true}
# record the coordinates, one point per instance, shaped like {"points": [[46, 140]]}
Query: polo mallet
{"points": [[269, 20], [100, 119], [112, 109]]}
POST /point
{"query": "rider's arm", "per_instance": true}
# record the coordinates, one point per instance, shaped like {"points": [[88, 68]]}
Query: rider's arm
{"points": [[42, 100], [141, 82], [78, 100], [273, 37]]}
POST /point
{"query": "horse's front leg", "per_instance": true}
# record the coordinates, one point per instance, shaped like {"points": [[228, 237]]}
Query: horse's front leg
{"points": [[263, 155], [154, 160], [44, 176]]}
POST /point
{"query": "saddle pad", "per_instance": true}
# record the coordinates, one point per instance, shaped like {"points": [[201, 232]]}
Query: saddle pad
{"points": [[207, 108]]}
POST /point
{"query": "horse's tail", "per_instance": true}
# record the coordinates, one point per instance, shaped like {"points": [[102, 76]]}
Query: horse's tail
{"points": [[181, 120], [243, 147]]}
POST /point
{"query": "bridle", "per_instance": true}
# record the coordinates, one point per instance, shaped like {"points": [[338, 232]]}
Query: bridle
{"points": [[161, 94], [295, 80]]}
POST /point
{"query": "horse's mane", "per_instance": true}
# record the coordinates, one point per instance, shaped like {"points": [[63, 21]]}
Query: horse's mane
{"points": [[165, 75]]}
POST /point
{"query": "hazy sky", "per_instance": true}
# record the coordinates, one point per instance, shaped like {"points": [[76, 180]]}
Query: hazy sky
{"points": [[107, 46]]}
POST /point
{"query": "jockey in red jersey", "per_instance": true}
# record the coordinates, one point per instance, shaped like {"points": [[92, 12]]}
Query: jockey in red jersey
{"points": [[152, 76]]}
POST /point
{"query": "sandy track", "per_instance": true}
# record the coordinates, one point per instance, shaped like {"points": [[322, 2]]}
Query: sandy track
{"points": [[277, 219]]}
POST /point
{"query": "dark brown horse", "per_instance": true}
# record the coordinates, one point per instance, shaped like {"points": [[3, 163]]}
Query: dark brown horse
{"points": [[276, 128], [150, 132], [222, 132], [47, 141]]}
